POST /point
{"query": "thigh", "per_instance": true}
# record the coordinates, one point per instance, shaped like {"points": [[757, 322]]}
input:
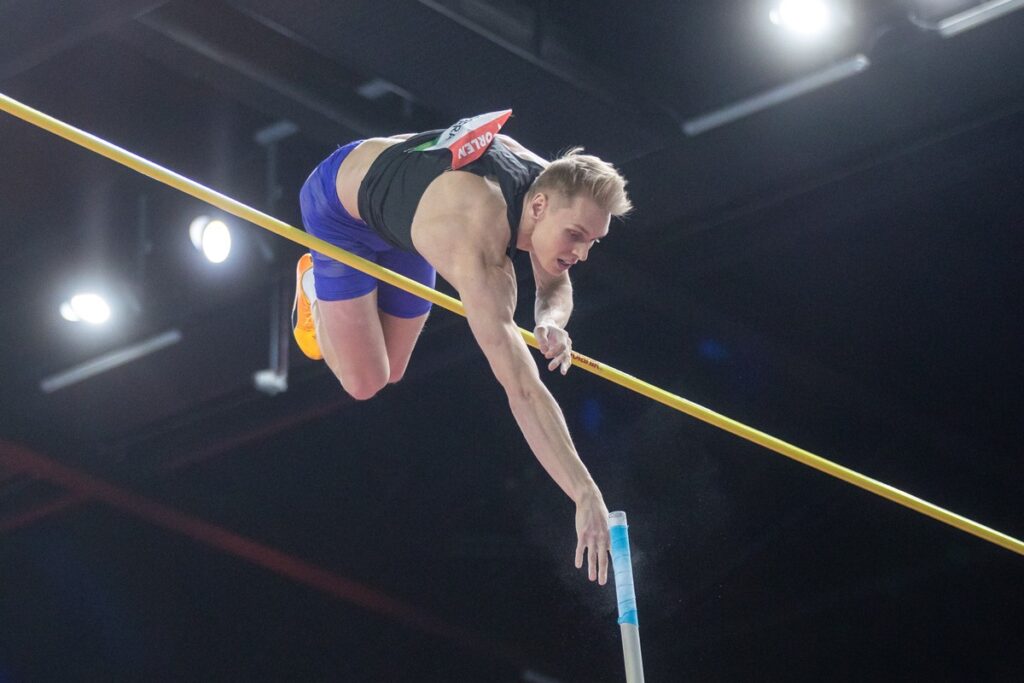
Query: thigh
{"points": [[398, 302], [402, 314], [352, 340], [324, 217], [400, 335]]}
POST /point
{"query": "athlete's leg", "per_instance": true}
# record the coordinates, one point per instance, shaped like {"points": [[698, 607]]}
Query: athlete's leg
{"points": [[352, 341], [344, 308], [366, 333], [402, 315], [400, 335]]}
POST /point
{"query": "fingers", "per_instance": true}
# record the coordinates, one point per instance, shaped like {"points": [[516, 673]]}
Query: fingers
{"points": [[562, 363], [597, 560], [556, 346], [560, 356], [555, 350], [593, 537]]}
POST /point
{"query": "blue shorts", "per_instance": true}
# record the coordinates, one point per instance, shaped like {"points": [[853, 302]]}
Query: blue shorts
{"points": [[323, 216]]}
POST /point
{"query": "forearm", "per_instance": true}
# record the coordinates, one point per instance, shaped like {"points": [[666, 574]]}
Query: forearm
{"points": [[553, 305], [538, 415], [542, 423]]}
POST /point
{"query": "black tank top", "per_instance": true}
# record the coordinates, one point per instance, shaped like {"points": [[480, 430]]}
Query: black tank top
{"points": [[394, 183]]}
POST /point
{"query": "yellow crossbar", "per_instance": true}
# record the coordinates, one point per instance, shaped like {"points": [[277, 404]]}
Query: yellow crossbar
{"points": [[148, 168]]}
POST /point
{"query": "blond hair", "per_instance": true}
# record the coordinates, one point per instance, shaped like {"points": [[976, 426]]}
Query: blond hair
{"points": [[574, 174]]}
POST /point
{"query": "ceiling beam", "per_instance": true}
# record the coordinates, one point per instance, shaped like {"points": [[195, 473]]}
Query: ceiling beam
{"points": [[39, 38], [324, 102]]}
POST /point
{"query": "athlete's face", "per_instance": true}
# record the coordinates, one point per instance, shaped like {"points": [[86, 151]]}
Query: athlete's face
{"points": [[565, 230]]}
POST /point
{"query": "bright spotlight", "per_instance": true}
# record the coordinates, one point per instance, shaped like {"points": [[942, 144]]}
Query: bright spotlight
{"points": [[803, 17], [86, 307], [211, 237], [216, 241]]}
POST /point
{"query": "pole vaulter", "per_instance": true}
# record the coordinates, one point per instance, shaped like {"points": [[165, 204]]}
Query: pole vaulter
{"points": [[179, 182], [617, 520], [265, 221]]}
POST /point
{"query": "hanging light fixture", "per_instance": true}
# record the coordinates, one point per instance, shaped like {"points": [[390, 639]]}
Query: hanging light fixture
{"points": [[212, 237], [86, 307]]}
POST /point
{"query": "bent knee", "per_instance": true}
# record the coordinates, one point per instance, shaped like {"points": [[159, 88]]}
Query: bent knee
{"points": [[364, 385], [363, 389], [363, 392], [396, 376]]}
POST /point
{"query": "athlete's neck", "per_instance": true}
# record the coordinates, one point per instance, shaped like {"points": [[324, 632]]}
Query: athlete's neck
{"points": [[524, 237]]}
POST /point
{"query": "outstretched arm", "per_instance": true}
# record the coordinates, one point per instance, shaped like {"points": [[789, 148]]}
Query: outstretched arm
{"points": [[488, 294]]}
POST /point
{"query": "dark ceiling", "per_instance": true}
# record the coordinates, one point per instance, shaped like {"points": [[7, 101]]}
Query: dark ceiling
{"points": [[842, 270]]}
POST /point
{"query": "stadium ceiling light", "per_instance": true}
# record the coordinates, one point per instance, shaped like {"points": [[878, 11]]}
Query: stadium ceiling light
{"points": [[211, 237], [770, 98], [976, 16], [108, 361], [803, 17], [86, 307]]}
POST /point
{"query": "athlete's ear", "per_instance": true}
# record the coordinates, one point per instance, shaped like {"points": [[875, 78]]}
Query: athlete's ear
{"points": [[538, 205]]}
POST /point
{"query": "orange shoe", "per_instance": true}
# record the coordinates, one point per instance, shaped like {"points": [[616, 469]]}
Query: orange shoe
{"points": [[303, 327]]}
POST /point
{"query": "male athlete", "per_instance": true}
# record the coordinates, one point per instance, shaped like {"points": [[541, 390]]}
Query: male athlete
{"points": [[461, 201]]}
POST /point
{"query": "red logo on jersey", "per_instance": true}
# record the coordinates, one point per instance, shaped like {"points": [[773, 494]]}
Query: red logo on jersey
{"points": [[469, 138]]}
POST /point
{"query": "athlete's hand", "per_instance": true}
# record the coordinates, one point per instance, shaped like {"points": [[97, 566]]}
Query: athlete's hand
{"points": [[592, 535], [555, 344]]}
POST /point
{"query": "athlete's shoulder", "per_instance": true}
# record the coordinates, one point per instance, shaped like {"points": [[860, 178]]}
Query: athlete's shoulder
{"points": [[464, 192], [461, 212]]}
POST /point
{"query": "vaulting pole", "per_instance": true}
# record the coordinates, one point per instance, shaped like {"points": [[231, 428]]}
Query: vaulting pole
{"points": [[148, 168], [629, 625]]}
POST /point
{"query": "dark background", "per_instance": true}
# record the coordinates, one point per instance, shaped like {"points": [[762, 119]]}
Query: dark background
{"points": [[842, 271]]}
